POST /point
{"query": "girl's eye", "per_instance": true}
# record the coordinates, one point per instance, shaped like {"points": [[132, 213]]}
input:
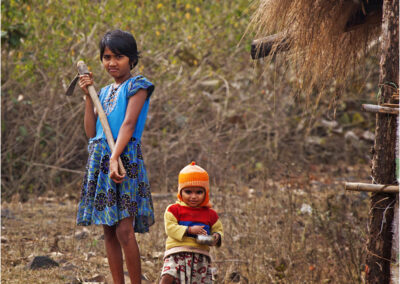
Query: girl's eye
{"points": [[199, 192], [106, 57]]}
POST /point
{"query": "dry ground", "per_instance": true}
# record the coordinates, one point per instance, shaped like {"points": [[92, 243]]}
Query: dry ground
{"points": [[304, 229]]}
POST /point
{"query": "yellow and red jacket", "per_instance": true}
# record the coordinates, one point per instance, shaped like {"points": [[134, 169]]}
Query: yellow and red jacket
{"points": [[179, 216]]}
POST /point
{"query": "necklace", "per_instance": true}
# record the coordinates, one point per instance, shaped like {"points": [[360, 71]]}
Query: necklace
{"points": [[111, 99], [115, 89]]}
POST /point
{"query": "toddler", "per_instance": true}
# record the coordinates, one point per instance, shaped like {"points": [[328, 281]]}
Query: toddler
{"points": [[186, 259]]}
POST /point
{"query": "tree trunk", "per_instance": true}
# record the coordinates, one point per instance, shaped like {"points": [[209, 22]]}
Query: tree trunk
{"points": [[383, 163]]}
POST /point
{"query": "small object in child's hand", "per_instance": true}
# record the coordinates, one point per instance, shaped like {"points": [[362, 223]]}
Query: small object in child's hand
{"points": [[205, 239]]}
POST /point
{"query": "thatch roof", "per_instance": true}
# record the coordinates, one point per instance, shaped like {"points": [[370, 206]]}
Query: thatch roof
{"points": [[325, 39]]}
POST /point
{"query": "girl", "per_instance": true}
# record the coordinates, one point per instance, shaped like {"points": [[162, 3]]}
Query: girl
{"points": [[122, 204], [186, 260]]}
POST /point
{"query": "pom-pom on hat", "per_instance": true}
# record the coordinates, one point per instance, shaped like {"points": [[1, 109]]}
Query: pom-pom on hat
{"points": [[194, 175]]}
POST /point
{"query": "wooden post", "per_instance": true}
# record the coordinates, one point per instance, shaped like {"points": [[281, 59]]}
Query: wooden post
{"points": [[383, 163]]}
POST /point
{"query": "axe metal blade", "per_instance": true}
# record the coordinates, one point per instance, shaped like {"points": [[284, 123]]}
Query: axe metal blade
{"points": [[71, 86]]}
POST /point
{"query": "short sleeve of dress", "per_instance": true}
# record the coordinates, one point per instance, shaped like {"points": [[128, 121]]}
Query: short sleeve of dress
{"points": [[140, 83]]}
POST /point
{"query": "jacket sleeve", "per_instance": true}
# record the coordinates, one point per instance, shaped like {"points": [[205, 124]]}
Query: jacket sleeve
{"points": [[217, 228], [172, 228]]}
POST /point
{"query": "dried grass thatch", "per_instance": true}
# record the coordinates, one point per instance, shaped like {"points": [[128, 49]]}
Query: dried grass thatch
{"points": [[327, 39]]}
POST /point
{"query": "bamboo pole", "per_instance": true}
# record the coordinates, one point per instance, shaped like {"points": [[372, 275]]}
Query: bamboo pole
{"points": [[357, 186], [390, 105], [263, 47], [57, 168], [380, 109]]}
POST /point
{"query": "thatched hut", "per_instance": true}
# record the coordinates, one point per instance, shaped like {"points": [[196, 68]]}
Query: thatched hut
{"points": [[325, 41]]}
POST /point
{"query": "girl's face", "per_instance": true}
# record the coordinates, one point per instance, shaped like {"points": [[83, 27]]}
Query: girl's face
{"points": [[117, 65], [193, 196]]}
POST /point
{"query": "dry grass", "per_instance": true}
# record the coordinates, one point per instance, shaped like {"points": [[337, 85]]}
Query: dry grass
{"points": [[269, 238], [320, 51]]}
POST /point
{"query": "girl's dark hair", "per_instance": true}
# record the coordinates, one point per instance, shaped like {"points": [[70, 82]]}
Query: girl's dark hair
{"points": [[120, 42]]}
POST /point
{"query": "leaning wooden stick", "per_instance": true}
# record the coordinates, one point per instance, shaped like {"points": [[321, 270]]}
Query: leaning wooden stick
{"points": [[380, 109], [356, 186], [82, 69]]}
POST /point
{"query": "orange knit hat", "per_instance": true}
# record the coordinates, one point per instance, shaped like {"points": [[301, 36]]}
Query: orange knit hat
{"points": [[193, 175]]}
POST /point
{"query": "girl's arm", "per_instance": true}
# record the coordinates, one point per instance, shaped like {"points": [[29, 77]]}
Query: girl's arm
{"points": [[90, 118], [133, 109], [90, 113]]}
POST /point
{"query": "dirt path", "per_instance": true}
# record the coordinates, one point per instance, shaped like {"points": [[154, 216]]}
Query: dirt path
{"points": [[46, 227], [302, 229]]}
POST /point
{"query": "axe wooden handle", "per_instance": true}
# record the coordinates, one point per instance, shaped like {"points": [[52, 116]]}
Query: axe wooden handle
{"points": [[82, 69]]}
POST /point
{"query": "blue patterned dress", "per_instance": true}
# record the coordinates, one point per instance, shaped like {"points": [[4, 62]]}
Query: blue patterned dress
{"points": [[103, 201]]}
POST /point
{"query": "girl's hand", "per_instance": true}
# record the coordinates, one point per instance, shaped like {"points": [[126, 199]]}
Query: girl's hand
{"points": [[216, 238], [114, 173], [197, 230], [85, 81]]}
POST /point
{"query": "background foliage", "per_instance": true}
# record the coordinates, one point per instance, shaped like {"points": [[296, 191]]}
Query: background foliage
{"points": [[245, 122], [212, 103]]}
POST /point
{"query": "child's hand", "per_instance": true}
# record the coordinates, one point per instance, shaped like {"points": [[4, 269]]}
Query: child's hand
{"points": [[197, 230], [217, 237], [114, 173], [85, 81]]}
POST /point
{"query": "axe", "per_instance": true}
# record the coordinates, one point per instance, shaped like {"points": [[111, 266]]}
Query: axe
{"points": [[82, 70]]}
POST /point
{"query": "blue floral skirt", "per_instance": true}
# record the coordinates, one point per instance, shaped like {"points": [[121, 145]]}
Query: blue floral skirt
{"points": [[105, 202]]}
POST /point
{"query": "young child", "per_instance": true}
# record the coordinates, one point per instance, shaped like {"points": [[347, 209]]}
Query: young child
{"points": [[185, 260], [122, 204]]}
